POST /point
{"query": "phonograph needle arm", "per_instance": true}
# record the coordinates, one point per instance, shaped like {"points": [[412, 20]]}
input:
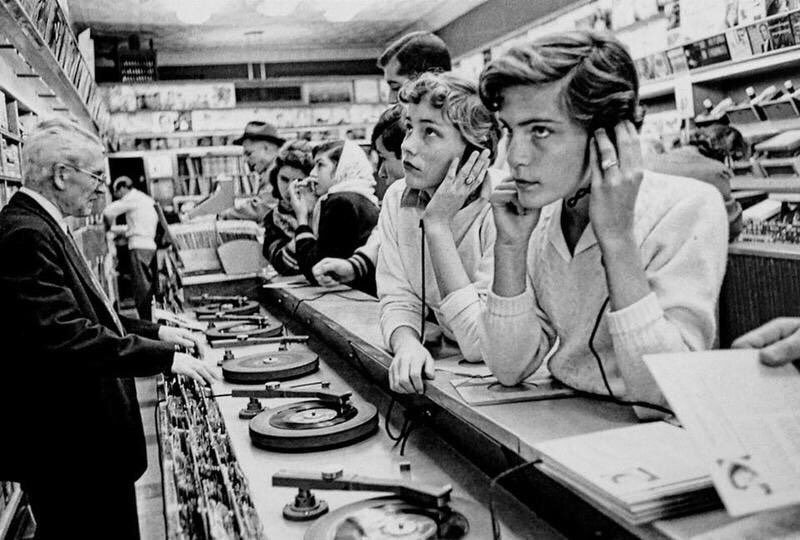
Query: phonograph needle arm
{"points": [[209, 298], [261, 340], [339, 399], [437, 496]]}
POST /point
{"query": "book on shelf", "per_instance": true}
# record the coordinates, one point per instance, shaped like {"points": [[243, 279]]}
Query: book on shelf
{"points": [[3, 112]]}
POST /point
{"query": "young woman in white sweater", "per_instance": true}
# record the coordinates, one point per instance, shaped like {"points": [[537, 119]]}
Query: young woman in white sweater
{"points": [[612, 260], [450, 140]]}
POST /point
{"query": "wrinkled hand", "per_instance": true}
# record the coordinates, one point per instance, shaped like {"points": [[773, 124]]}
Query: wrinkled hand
{"points": [[301, 198], [514, 222], [778, 341], [330, 272], [184, 364], [410, 364], [456, 187], [616, 177], [183, 337]]}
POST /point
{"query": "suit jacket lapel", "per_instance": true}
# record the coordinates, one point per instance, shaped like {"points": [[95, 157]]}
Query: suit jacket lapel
{"points": [[77, 261]]}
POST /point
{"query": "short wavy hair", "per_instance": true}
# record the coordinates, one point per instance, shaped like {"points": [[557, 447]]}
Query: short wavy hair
{"points": [[601, 84], [460, 104], [417, 52], [54, 140], [391, 130], [295, 154]]}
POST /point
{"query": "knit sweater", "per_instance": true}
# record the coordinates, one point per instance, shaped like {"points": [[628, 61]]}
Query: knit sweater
{"points": [[681, 229], [399, 269], [279, 247], [346, 221]]}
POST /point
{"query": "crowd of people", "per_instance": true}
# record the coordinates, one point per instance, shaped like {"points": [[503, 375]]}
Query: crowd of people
{"points": [[511, 217]]}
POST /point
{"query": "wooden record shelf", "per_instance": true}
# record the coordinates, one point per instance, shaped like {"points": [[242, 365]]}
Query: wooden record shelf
{"points": [[17, 27], [770, 184], [11, 179], [8, 135]]}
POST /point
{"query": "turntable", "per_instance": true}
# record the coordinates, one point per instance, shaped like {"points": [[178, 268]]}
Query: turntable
{"points": [[242, 327], [216, 307], [329, 420], [278, 365], [414, 511]]}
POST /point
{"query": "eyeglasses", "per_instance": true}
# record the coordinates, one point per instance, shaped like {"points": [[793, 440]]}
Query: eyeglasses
{"points": [[99, 178]]}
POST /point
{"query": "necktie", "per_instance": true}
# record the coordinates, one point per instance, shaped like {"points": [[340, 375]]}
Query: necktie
{"points": [[96, 284]]}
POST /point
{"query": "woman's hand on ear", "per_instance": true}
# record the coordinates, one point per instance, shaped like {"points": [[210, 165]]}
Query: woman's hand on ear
{"points": [[616, 178], [456, 187], [514, 222]]}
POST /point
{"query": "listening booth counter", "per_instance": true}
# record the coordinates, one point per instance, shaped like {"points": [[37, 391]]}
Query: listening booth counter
{"points": [[497, 437], [432, 461]]}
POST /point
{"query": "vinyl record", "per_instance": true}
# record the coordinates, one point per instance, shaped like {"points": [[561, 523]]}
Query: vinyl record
{"points": [[390, 518], [270, 366], [229, 308], [245, 329], [313, 425]]}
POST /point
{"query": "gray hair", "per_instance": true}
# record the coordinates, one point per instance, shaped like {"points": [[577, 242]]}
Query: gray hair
{"points": [[54, 140]]}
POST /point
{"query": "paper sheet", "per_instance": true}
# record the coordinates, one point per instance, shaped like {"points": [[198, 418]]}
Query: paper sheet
{"points": [[744, 419]]}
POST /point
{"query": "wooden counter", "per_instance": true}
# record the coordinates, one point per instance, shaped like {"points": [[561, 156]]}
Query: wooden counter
{"points": [[347, 320], [432, 460]]}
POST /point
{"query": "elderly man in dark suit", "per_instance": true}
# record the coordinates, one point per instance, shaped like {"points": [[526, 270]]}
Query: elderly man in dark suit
{"points": [[72, 430]]}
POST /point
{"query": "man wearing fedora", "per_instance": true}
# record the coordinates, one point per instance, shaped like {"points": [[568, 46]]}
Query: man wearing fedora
{"points": [[260, 142]]}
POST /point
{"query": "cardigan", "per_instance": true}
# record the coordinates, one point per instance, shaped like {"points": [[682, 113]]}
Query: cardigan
{"points": [[399, 268]]}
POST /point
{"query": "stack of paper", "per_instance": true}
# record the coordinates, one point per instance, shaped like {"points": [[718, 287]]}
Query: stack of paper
{"points": [[744, 419], [639, 473]]}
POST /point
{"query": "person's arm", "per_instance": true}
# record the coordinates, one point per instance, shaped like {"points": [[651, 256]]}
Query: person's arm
{"points": [[662, 295], [50, 314], [118, 207], [278, 249], [360, 267], [339, 231], [515, 334]]}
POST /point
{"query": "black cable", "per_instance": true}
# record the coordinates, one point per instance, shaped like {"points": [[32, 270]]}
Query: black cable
{"points": [[611, 397], [422, 265], [493, 485], [387, 420]]}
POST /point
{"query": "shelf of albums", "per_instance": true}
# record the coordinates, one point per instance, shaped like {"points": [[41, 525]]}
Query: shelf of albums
{"points": [[757, 95]]}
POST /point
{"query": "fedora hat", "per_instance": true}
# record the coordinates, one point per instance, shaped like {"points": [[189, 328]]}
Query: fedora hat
{"points": [[260, 131]]}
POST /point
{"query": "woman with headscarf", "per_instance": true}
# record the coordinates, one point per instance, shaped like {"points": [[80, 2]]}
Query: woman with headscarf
{"points": [[345, 212], [294, 162]]}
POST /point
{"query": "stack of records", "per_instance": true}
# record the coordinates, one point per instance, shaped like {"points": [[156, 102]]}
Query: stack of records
{"points": [[639, 473]]}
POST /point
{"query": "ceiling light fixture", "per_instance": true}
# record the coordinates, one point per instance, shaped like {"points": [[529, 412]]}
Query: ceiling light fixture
{"points": [[344, 10], [194, 11], [277, 8]]}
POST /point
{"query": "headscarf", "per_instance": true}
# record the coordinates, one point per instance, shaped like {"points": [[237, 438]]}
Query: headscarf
{"points": [[354, 174]]}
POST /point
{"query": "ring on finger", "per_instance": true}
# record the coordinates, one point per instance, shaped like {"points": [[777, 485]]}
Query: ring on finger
{"points": [[608, 163]]}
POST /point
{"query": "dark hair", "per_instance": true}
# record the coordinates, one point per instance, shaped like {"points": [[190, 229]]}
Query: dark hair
{"points": [[295, 154], [122, 181], [460, 104], [391, 130], [417, 52], [333, 149], [602, 87], [720, 142]]}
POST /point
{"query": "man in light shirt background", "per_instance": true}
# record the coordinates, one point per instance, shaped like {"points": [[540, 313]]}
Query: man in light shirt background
{"points": [[140, 231]]}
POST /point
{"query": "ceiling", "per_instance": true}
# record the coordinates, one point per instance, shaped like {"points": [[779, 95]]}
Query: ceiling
{"points": [[250, 30]]}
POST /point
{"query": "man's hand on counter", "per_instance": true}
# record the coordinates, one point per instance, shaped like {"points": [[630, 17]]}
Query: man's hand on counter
{"points": [[184, 364], [182, 337], [410, 365]]}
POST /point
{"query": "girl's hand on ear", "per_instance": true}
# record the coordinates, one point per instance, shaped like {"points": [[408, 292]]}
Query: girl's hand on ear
{"points": [[455, 188], [616, 177], [514, 222]]}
